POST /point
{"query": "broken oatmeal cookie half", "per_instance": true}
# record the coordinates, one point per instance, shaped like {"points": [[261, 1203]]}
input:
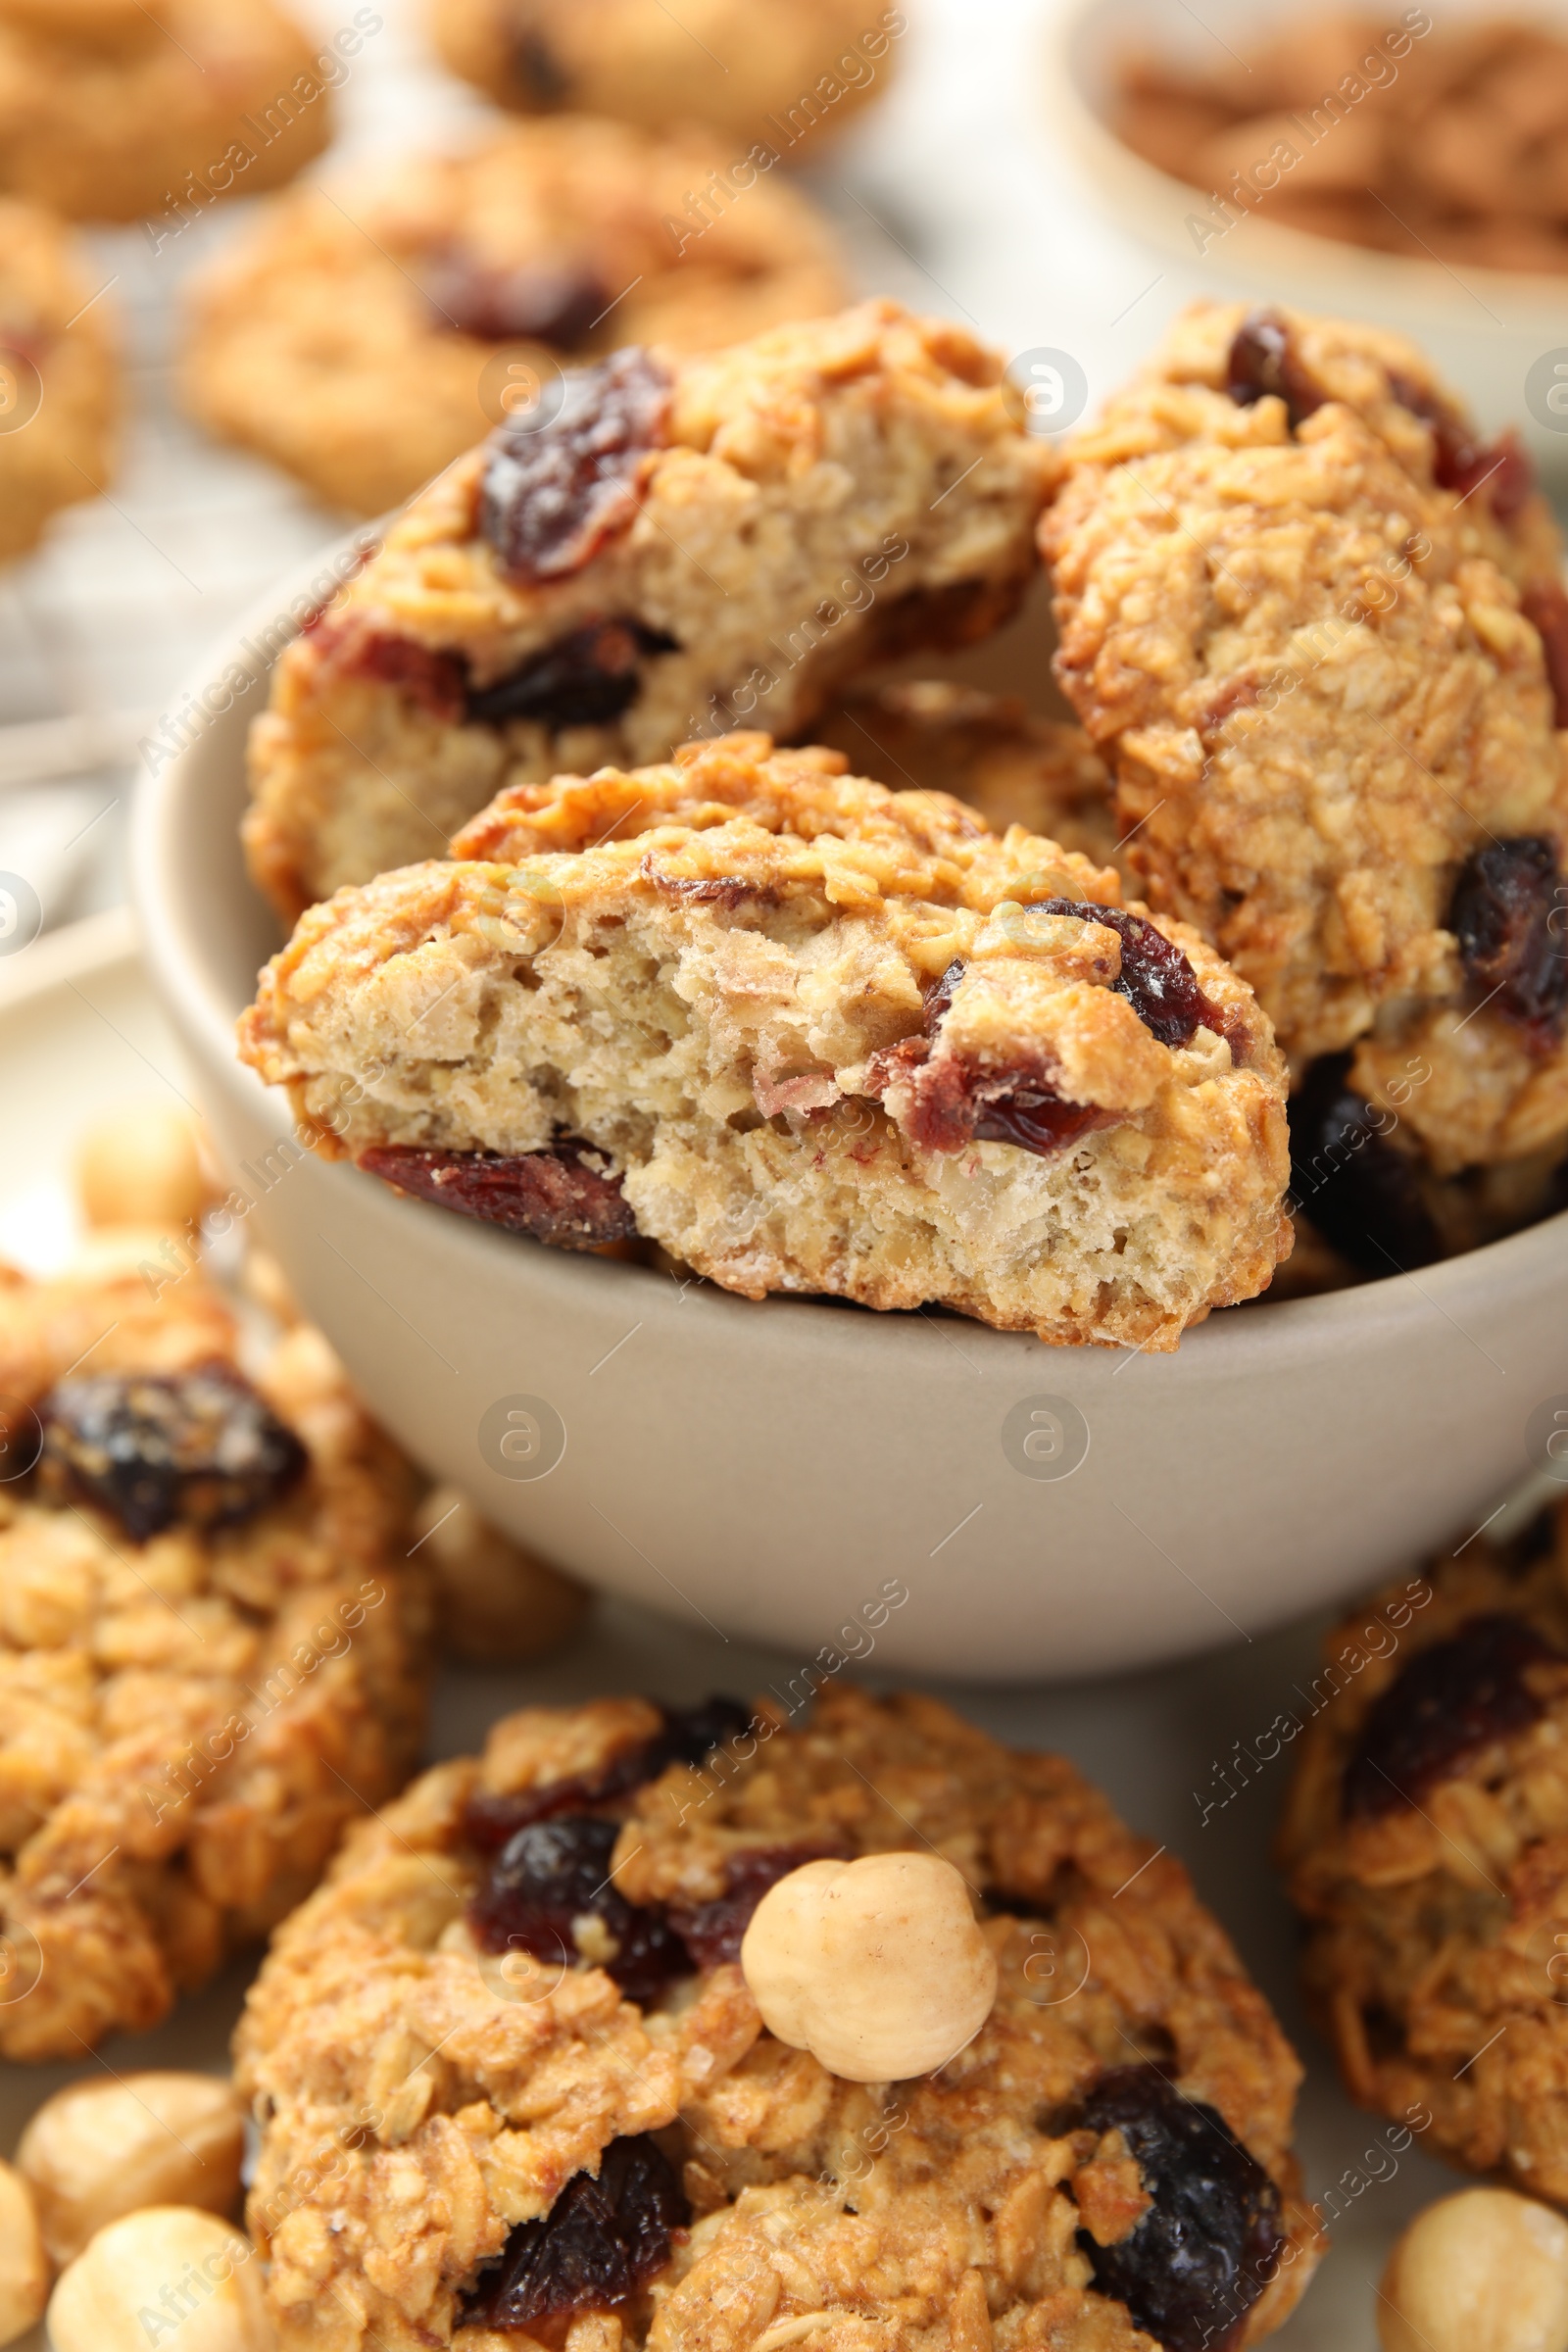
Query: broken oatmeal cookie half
{"points": [[1317, 628], [513, 2086], [210, 1644], [682, 542], [809, 1035]]}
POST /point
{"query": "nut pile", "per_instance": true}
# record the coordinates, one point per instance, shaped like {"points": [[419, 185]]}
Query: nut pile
{"points": [[1394, 135]]}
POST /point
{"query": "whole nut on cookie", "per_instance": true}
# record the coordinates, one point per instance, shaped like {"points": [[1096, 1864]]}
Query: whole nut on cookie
{"points": [[142, 1168], [23, 2264], [877, 1967], [168, 2262], [497, 1604], [1485, 2271], [102, 2148]]}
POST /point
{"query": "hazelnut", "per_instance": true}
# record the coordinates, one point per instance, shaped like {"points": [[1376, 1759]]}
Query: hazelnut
{"points": [[104, 2147], [877, 1967], [497, 1604], [142, 1168], [1484, 2271], [23, 2264], [164, 2274]]}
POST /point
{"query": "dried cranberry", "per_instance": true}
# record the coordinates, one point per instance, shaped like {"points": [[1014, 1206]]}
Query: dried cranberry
{"points": [[712, 1933], [1545, 603], [557, 1195], [558, 303], [1504, 907], [550, 498], [555, 1874], [439, 681], [1210, 2240], [196, 1446], [686, 1736], [1461, 463], [703, 890], [583, 680], [1362, 1191], [1263, 360], [1156, 979], [1449, 1702], [600, 2243]]}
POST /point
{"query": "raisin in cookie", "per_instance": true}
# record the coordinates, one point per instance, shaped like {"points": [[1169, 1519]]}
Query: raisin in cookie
{"points": [[775, 71], [929, 735], [685, 543], [59, 390], [438, 294], [1424, 1843], [210, 1654], [1318, 633], [112, 110], [509, 2076], [843, 1040]]}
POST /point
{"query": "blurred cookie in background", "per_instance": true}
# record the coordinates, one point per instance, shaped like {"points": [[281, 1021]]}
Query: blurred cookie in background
{"points": [[59, 394], [774, 71], [112, 110], [929, 735], [439, 296]]}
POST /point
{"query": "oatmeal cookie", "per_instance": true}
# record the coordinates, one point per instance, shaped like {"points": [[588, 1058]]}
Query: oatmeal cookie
{"points": [[777, 71], [210, 1654], [59, 377], [843, 1040], [508, 2075], [1319, 633], [929, 735], [112, 110], [686, 542], [1424, 1843], [439, 293]]}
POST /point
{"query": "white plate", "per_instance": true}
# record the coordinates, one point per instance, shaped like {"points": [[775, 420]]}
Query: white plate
{"points": [[80, 1031]]}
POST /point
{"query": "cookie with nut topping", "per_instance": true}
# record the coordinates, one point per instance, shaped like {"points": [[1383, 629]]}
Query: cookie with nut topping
{"points": [[211, 1644], [120, 109], [1316, 626], [1423, 1842], [683, 544], [845, 1040], [775, 71], [512, 2073], [444, 294], [58, 376]]}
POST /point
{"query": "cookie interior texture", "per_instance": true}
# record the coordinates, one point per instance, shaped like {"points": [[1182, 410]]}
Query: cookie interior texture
{"points": [[212, 1646], [59, 345], [112, 110], [686, 545], [778, 72], [439, 2053], [813, 1036], [1424, 1843], [1317, 629], [444, 293]]}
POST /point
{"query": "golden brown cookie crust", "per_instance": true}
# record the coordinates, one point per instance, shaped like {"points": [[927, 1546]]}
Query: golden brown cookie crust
{"points": [[781, 73], [1436, 1925], [816, 495], [111, 111], [417, 2102], [337, 308], [186, 1721], [59, 394], [757, 942], [1307, 664]]}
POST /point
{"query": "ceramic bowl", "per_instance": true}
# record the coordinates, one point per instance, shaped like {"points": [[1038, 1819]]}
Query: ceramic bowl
{"points": [[1486, 329], [912, 1489]]}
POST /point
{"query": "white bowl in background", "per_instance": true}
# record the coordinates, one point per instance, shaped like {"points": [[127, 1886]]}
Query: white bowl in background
{"points": [[1485, 328], [788, 1469]]}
